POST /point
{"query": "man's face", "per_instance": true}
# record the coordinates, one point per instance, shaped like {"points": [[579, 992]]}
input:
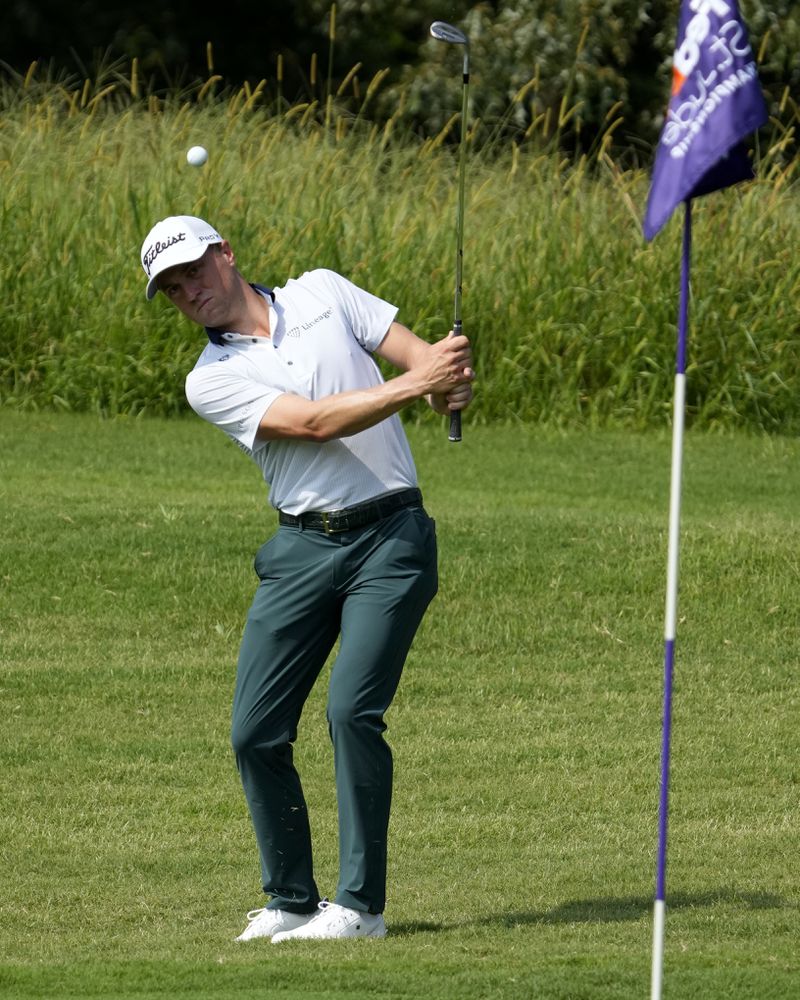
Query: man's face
{"points": [[205, 289]]}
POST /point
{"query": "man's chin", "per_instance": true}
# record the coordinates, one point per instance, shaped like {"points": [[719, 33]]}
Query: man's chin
{"points": [[206, 315]]}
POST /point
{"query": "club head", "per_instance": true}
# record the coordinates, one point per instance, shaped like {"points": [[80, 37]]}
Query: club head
{"points": [[444, 32]]}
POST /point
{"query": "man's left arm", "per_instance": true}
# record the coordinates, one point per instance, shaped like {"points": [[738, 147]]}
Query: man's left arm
{"points": [[403, 349]]}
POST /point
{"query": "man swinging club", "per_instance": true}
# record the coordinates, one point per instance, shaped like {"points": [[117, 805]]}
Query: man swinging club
{"points": [[289, 374]]}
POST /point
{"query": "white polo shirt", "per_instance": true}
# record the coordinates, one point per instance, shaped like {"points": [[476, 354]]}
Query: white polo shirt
{"points": [[323, 330]]}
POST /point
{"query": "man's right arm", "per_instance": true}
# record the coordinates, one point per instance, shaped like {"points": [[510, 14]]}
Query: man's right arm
{"points": [[437, 370]]}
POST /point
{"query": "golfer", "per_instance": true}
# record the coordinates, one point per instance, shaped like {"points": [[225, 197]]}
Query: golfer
{"points": [[289, 374]]}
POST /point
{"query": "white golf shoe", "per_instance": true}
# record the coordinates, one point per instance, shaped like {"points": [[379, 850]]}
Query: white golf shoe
{"points": [[265, 923], [333, 921]]}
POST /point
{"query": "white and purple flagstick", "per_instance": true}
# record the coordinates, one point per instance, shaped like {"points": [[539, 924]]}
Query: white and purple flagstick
{"points": [[716, 102], [671, 610]]}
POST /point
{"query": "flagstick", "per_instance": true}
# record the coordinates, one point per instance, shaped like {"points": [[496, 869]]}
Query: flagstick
{"points": [[670, 616]]}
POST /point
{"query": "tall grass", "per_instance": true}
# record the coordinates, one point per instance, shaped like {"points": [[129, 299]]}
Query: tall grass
{"points": [[571, 313]]}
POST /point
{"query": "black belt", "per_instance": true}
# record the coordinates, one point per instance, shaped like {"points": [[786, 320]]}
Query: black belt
{"points": [[331, 521]]}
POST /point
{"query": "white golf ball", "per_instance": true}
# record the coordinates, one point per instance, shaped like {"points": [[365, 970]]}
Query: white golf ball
{"points": [[197, 156]]}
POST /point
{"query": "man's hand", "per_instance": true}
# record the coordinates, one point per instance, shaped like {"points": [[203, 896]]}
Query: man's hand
{"points": [[441, 372], [458, 396], [446, 365]]}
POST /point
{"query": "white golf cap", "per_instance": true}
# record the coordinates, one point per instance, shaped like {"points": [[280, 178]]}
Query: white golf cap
{"points": [[176, 240]]}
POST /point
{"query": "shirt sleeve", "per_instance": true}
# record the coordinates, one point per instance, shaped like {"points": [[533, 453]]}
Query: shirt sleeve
{"points": [[225, 398], [369, 316]]}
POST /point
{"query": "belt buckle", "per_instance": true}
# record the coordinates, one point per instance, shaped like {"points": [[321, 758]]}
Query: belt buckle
{"points": [[326, 524]]}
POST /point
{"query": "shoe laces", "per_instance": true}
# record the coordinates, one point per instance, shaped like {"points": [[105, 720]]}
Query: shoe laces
{"points": [[255, 914], [332, 912]]}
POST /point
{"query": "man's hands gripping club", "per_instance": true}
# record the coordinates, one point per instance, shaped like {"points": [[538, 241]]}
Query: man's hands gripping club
{"points": [[458, 353], [442, 372]]}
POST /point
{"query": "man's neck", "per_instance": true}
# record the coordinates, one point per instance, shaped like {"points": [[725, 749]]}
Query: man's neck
{"points": [[253, 318], [257, 314]]}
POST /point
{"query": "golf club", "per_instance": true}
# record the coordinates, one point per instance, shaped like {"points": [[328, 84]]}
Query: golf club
{"points": [[444, 32]]}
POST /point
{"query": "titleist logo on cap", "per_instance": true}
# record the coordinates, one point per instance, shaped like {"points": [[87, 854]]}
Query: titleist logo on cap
{"points": [[179, 239], [158, 247]]}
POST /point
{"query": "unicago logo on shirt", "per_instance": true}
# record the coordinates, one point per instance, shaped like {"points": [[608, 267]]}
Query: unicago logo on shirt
{"points": [[297, 331]]}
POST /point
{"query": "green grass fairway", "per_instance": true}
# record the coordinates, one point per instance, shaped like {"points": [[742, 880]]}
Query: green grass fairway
{"points": [[526, 732]]}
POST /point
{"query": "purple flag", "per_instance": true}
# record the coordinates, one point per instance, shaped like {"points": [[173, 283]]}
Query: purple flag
{"points": [[716, 102]]}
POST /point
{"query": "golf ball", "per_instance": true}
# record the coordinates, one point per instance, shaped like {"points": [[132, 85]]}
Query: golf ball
{"points": [[197, 156]]}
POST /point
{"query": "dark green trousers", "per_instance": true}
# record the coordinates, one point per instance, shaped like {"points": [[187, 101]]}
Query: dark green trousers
{"points": [[370, 587]]}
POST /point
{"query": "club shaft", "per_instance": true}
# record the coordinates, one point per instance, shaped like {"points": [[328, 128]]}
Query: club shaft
{"points": [[455, 415]]}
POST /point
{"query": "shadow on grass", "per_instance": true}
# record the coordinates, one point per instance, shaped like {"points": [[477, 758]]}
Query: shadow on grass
{"points": [[604, 910]]}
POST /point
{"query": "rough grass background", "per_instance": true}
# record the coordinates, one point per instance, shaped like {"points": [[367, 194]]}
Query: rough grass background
{"points": [[572, 314]]}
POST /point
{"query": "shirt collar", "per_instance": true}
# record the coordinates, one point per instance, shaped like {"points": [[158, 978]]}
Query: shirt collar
{"points": [[215, 335]]}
